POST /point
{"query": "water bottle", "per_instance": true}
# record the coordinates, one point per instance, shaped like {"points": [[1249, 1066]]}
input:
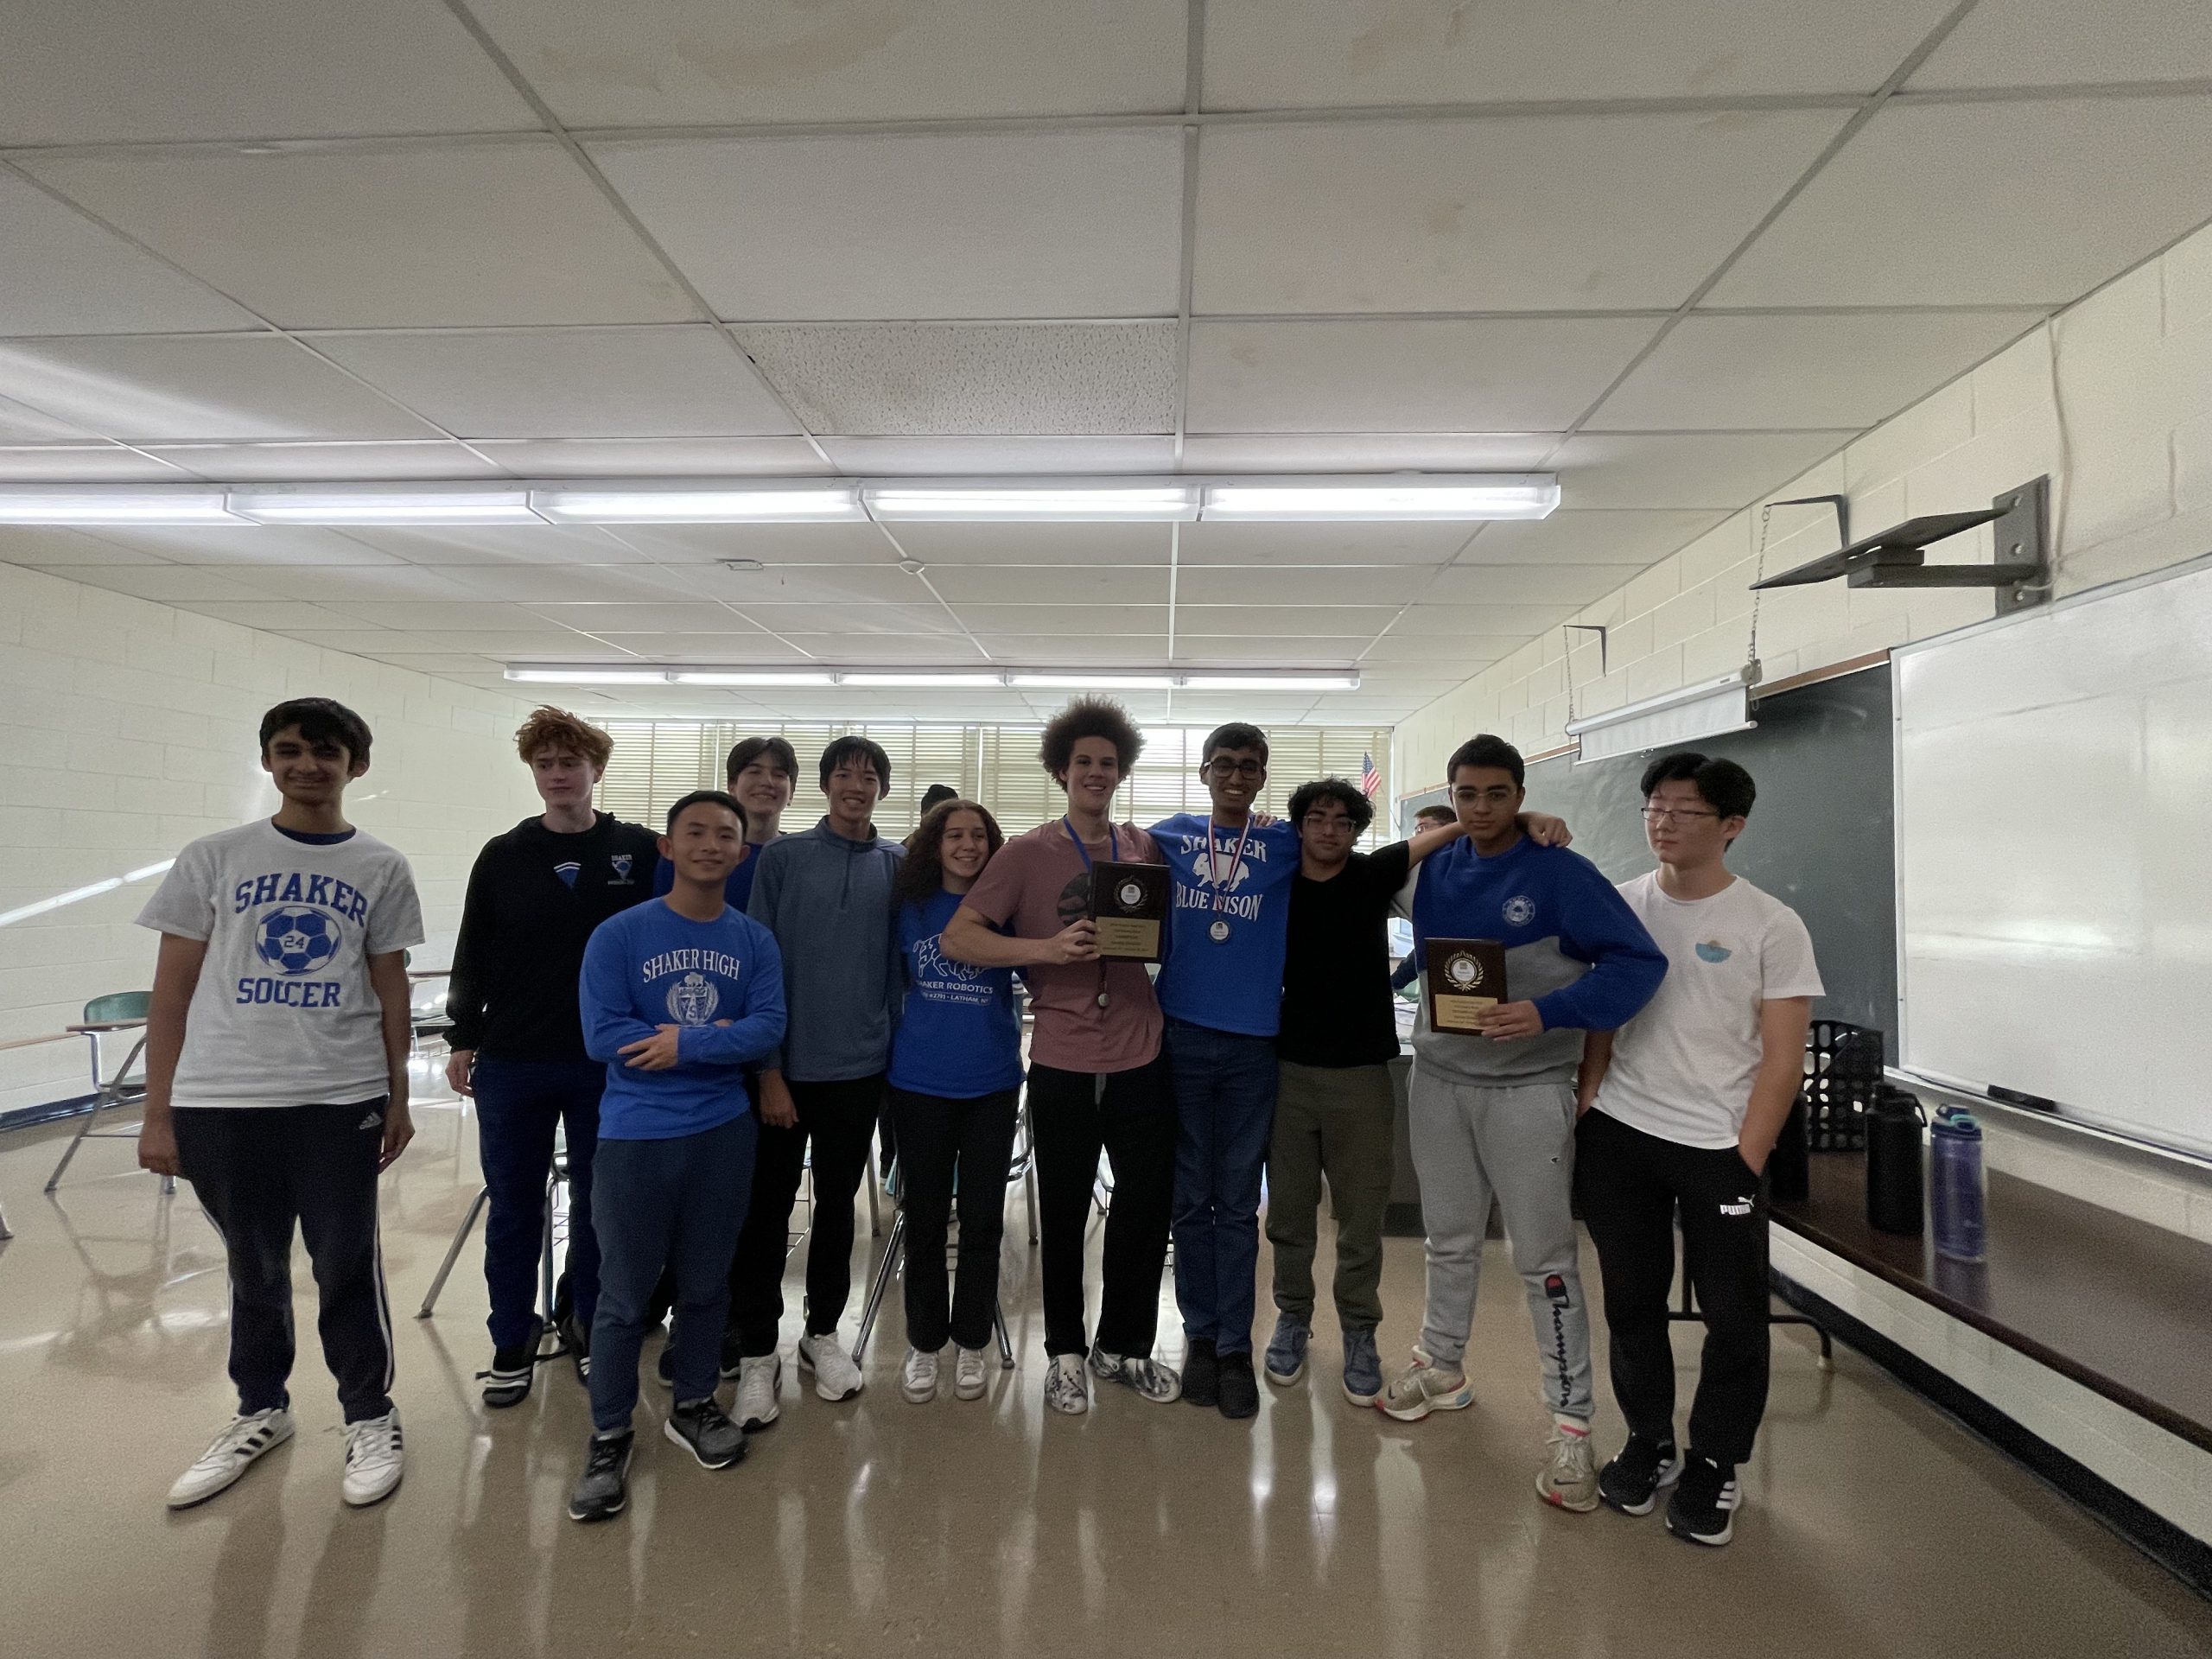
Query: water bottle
{"points": [[1960, 1194], [1893, 1182]]}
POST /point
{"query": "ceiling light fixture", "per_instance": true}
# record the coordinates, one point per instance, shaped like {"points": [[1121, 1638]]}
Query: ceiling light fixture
{"points": [[751, 504], [1081, 681], [1400, 496], [922, 679], [870, 677], [45, 505], [751, 676], [1345, 681], [1051, 501], [583, 674], [371, 505]]}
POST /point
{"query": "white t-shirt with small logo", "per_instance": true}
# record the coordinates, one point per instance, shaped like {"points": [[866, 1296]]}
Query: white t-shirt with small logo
{"points": [[284, 1013], [1682, 1069]]}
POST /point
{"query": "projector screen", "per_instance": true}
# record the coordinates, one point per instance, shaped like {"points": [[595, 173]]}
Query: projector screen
{"points": [[2054, 858]]}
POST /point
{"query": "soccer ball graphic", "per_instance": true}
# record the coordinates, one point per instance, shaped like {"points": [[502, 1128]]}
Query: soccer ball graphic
{"points": [[295, 941]]}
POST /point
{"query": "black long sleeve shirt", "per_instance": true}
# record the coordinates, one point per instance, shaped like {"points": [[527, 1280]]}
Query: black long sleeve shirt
{"points": [[534, 899]]}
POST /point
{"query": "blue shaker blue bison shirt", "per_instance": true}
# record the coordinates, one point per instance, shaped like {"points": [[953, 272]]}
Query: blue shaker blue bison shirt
{"points": [[721, 982], [1230, 925], [959, 1034], [284, 1013]]}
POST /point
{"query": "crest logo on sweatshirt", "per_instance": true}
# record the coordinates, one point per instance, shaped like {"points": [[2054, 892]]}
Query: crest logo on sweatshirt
{"points": [[621, 863], [1520, 910], [692, 1000]]}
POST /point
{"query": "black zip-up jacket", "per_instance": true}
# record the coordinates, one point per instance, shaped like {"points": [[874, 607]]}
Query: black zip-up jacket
{"points": [[523, 927]]}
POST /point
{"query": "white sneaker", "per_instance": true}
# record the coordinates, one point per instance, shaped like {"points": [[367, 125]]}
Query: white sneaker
{"points": [[835, 1377], [759, 1380], [918, 1381], [1066, 1389], [232, 1453], [969, 1376], [373, 1459]]}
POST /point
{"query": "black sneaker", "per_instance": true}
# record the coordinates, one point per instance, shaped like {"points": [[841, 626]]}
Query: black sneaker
{"points": [[602, 1491], [1703, 1508], [1201, 1374], [1239, 1388], [507, 1384], [1632, 1481], [704, 1428]]}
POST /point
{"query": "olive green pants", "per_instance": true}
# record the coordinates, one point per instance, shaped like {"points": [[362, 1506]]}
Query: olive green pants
{"points": [[1332, 1122]]}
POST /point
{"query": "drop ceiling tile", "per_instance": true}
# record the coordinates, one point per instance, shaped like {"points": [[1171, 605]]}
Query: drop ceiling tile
{"points": [[655, 457], [568, 382], [1634, 210], [694, 647], [287, 462], [1457, 656], [48, 547], [385, 236], [1685, 470], [169, 583], [2133, 174], [20, 424], [1484, 375], [665, 615], [1249, 616], [1309, 584], [360, 641], [852, 647], [323, 583], [1279, 54], [547, 584], [1053, 584], [269, 615], [524, 545], [1445, 620], [1802, 372], [1367, 452], [439, 664], [1267, 651], [759, 61], [1072, 619], [62, 274], [880, 583], [1526, 584], [940, 546], [934, 380], [2062, 43], [112, 71], [426, 617], [1289, 545], [512, 642], [1626, 539], [232, 387], [1092, 650], [926, 617], [955, 455], [245, 544], [57, 463], [1085, 223]]}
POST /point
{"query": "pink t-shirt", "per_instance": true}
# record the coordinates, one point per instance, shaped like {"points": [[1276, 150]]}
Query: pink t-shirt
{"points": [[1039, 883]]}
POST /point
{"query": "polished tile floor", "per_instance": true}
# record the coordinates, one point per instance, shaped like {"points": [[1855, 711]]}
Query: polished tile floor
{"points": [[1873, 1525]]}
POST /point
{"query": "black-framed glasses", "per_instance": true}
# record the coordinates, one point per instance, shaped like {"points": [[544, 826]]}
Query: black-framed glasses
{"points": [[1669, 814], [1222, 766]]}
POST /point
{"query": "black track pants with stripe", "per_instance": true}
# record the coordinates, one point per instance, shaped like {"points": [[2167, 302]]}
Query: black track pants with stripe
{"points": [[260, 1172]]}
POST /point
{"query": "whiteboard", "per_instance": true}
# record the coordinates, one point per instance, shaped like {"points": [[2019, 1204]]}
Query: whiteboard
{"points": [[2054, 857]]}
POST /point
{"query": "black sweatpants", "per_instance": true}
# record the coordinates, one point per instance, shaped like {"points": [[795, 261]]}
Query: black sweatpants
{"points": [[1630, 1183], [1131, 1116], [948, 1147], [840, 1119], [259, 1172]]}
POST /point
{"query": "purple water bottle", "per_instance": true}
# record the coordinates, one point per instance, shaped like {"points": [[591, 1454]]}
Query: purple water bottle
{"points": [[1955, 1172]]}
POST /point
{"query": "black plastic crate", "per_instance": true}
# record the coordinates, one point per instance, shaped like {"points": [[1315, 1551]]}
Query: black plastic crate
{"points": [[1843, 1067]]}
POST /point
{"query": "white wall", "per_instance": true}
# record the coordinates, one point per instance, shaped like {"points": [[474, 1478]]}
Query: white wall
{"points": [[127, 729]]}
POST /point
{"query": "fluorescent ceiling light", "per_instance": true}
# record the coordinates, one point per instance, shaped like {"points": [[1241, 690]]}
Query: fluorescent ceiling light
{"points": [[583, 674], [1078, 680], [115, 507], [813, 504], [751, 676], [1709, 709], [1201, 681], [1143, 502], [1412, 496], [375, 507], [869, 677]]}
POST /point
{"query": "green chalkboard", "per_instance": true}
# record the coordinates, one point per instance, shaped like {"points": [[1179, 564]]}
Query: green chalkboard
{"points": [[1820, 837]]}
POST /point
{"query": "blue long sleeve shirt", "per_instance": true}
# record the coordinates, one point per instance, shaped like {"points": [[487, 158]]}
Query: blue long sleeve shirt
{"points": [[1573, 947], [721, 982]]}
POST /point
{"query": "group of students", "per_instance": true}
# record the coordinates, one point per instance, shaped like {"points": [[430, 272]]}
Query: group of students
{"points": [[694, 1010]]}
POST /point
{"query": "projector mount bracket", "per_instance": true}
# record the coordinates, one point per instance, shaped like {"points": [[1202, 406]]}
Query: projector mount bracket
{"points": [[1897, 557]]}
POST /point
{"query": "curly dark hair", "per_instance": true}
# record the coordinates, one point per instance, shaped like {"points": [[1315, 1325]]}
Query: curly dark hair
{"points": [[1088, 717], [1344, 793], [920, 875]]}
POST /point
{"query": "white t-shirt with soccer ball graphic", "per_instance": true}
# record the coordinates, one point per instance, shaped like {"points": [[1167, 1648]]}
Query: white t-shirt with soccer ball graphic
{"points": [[284, 1013]]}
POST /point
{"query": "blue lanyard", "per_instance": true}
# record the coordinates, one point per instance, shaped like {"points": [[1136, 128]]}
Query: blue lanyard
{"points": [[1113, 843]]}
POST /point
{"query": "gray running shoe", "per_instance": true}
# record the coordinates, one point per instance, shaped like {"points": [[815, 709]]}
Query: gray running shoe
{"points": [[1363, 1368], [602, 1491], [1286, 1361], [702, 1428]]}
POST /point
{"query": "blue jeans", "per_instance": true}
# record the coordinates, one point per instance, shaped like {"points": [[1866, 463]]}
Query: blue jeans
{"points": [[517, 1105], [1224, 1111], [678, 1203]]}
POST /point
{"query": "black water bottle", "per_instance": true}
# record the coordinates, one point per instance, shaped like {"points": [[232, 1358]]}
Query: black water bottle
{"points": [[1894, 1186]]}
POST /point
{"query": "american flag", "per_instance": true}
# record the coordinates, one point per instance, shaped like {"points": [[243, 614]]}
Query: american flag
{"points": [[1371, 780]]}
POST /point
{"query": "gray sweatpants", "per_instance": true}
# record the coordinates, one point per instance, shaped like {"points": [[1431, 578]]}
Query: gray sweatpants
{"points": [[1472, 1142]]}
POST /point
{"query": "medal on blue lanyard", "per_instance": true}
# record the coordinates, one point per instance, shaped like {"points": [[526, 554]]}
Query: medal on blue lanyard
{"points": [[1218, 933], [1114, 851]]}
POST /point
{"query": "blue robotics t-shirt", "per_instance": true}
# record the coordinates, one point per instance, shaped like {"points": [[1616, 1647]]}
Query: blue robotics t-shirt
{"points": [[959, 1034], [1232, 984]]}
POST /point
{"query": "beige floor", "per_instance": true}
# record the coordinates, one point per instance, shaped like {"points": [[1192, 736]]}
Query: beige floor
{"points": [[1873, 1525]]}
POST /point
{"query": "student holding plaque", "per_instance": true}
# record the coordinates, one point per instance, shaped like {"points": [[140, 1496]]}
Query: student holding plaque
{"points": [[1679, 1109], [955, 1069], [1097, 1078], [1490, 1113]]}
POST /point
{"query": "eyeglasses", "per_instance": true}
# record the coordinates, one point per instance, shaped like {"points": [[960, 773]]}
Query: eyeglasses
{"points": [[1668, 814], [1222, 766], [1481, 797]]}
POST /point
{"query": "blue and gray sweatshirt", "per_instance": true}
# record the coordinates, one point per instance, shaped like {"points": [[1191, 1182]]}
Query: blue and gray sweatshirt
{"points": [[1573, 947], [827, 902]]}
